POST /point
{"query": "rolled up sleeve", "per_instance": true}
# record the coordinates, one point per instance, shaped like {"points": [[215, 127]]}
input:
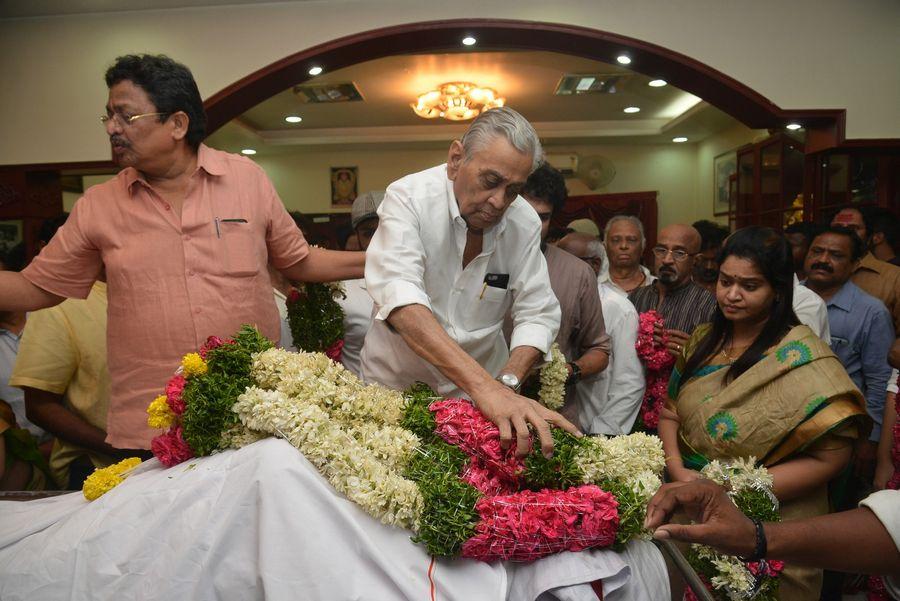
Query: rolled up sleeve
{"points": [[535, 311], [395, 259], [284, 240]]}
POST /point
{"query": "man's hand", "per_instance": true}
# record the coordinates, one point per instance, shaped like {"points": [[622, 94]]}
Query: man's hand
{"points": [[717, 522], [513, 413], [676, 339]]}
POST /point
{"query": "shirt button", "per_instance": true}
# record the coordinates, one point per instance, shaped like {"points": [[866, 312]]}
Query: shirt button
{"points": [[190, 272], [167, 207], [186, 237], [197, 310]]}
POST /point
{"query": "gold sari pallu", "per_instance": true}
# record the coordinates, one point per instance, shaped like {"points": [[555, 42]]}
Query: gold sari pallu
{"points": [[795, 395]]}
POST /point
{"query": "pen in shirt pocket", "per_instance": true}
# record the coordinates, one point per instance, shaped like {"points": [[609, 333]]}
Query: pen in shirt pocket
{"points": [[234, 220]]}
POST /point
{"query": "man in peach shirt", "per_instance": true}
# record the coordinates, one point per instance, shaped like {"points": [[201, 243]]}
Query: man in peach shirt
{"points": [[182, 235]]}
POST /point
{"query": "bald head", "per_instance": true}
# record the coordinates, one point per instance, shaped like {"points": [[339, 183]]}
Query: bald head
{"points": [[676, 240], [586, 247]]}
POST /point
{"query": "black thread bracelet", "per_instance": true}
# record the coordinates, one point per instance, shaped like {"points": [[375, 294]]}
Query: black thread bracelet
{"points": [[759, 552]]}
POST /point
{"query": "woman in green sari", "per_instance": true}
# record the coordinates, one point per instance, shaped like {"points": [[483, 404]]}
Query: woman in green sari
{"points": [[756, 383]]}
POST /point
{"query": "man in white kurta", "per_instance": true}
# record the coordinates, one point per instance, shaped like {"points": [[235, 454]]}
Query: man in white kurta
{"points": [[456, 248]]}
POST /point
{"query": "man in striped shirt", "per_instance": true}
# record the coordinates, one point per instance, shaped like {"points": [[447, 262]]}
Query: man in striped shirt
{"points": [[683, 304]]}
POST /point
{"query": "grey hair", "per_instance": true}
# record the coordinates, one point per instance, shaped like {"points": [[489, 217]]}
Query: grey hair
{"points": [[513, 126], [596, 250], [629, 218]]}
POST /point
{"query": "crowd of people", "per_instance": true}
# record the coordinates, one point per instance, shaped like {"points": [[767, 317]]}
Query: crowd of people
{"points": [[784, 343]]}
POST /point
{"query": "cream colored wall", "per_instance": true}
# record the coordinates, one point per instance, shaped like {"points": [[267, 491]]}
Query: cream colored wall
{"points": [[799, 54], [708, 149]]}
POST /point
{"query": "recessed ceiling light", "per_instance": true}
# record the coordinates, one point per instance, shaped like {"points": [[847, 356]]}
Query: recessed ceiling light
{"points": [[679, 139], [248, 151], [293, 119], [657, 83], [793, 126], [315, 71], [469, 41], [624, 59], [632, 109]]}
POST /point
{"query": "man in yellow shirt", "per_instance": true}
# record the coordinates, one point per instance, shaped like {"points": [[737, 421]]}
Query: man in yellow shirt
{"points": [[61, 366]]}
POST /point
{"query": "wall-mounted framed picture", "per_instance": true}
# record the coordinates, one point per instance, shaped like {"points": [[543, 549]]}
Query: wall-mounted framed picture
{"points": [[11, 233], [724, 166], [343, 186]]}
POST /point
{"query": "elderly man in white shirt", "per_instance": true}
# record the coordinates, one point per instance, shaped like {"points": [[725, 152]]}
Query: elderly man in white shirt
{"points": [[456, 248]]}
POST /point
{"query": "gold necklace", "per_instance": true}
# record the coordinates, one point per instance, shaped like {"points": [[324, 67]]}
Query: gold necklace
{"points": [[728, 355]]}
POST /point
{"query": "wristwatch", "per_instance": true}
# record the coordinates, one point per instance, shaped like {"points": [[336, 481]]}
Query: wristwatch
{"points": [[576, 373], [510, 381]]}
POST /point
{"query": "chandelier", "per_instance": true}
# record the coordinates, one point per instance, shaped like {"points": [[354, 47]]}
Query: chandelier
{"points": [[456, 101]]}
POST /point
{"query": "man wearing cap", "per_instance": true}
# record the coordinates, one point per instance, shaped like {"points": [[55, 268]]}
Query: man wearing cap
{"points": [[357, 304], [456, 249]]}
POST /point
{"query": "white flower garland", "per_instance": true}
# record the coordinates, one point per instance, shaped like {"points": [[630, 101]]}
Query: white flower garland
{"points": [[733, 577], [636, 460], [317, 379], [349, 466], [553, 380]]}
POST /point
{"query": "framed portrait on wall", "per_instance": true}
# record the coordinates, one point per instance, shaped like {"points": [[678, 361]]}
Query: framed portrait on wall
{"points": [[724, 166], [10, 235], [343, 187]]}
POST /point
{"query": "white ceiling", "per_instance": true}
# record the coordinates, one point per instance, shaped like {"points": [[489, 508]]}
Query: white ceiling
{"points": [[527, 80]]}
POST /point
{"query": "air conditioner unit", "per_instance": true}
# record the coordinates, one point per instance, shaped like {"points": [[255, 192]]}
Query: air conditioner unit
{"points": [[565, 163]]}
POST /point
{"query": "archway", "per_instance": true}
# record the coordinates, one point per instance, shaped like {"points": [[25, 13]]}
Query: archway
{"points": [[825, 127]]}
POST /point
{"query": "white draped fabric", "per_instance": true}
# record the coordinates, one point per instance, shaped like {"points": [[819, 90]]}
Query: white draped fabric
{"points": [[262, 523]]}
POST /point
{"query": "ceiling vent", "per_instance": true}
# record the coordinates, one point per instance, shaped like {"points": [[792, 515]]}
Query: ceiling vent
{"points": [[589, 83], [328, 92]]}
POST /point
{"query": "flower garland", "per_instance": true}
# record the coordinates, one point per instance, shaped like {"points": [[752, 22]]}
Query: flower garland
{"points": [[726, 576], [658, 363], [553, 380], [316, 319], [413, 460], [103, 480]]}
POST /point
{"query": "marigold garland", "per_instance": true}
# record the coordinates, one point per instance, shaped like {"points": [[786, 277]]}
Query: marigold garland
{"points": [[414, 460], [161, 414], [103, 480]]}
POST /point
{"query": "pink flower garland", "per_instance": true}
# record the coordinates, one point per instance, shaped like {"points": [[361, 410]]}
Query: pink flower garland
{"points": [[771, 569], [170, 448], [523, 525], [460, 424], [658, 363], [527, 525], [174, 392], [335, 351]]}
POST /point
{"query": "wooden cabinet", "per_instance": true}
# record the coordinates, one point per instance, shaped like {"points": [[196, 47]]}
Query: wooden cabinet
{"points": [[769, 186], [863, 177]]}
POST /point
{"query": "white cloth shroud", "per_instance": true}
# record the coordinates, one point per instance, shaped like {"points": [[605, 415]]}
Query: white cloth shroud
{"points": [[262, 523]]}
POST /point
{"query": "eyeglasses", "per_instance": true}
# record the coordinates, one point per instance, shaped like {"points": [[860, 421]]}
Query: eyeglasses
{"points": [[123, 120], [678, 255]]}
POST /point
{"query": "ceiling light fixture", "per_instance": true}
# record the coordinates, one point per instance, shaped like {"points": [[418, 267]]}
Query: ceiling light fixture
{"points": [[657, 83], [632, 109], [293, 119], [248, 151], [624, 59], [469, 41], [679, 139], [456, 101], [315, 71], [793, 126]]}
